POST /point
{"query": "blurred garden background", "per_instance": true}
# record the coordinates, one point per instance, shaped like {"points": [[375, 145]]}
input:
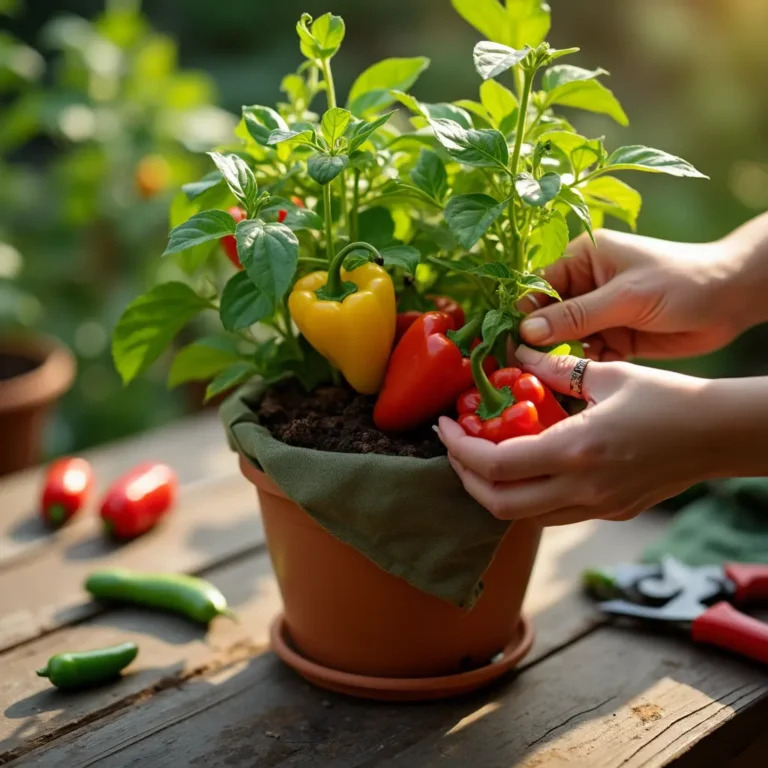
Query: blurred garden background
{"points": [[106, 105]]}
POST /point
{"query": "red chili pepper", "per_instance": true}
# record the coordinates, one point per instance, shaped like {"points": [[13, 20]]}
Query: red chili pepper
{"points": [[490, 410], [528, 387], [442, 303], [426, 373], [282, 215], [68, 484], [228, 243], [137, 501]]}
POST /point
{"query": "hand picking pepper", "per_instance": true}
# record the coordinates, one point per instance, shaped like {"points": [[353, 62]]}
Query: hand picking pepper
{"points": [[68, 484], [137, 501], [426, 372], [349, 318], [194, 598], [87, 669], [228, 243], [528, 387], [442, 303], [498, 416]]}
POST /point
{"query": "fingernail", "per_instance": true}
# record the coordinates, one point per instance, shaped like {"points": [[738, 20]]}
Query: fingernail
{"points": [[537, 330], [528, 356]]}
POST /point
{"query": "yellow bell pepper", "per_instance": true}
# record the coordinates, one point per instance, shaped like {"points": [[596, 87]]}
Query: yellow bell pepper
{"points": [[349, 318]]}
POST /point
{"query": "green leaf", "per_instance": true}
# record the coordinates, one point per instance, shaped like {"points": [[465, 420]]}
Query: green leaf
{"points": [[406, 257], [261, 122], [328, 31], [270, 256], [499, 101], [572, 86], [150, 323], [229, 379], [371, 91], [494, 269], [549, 241], [471, 216], [364, 130], [486, 16], [493, 59], [243, 303], [194, 189], [239, 178], [430, 175], [480, 148], [476, 109], [586, 155], [324, 168], [536, 284], [575, 201], [565, 140], [298, 218], [202, 360], [335, 122], [377, 227], [447, 112], [496, 323], [311, 370], [305, 138], [201, 228], [524, 22], [639, 158], [537, 192], [357, 259], [614, 197]]}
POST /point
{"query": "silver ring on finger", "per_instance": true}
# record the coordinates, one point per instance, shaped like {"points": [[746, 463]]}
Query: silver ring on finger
{"points": [[577, 378]]}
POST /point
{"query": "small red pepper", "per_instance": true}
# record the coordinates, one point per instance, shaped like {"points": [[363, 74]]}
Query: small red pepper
{"points": [[68, 484], [137, 501], [426, 373], [228, 243], [442, 303], [490, 410], [282, 215], [528, 387]]}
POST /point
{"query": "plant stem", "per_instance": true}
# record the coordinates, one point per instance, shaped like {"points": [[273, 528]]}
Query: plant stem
{"points": [[308, 260], [289, 327], [334, 285], [328, 205], [330, 87], [353, 224], [520, 131], [495, 401]]}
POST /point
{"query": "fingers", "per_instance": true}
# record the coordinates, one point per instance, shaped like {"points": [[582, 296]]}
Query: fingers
{"points": [[557, 371], [520, 459]]}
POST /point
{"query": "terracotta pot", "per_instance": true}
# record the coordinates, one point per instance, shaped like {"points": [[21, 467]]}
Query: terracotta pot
{"points": [[344, 612], [34, 372]]}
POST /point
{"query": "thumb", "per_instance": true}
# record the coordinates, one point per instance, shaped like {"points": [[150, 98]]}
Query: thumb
{"points": [[574, 318]]}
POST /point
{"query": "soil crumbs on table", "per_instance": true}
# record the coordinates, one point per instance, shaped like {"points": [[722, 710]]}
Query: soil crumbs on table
{"points": [[339, 420]]}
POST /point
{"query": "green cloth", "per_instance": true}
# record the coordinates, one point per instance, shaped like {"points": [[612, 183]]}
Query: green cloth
{"points": [[729, 523], [410, 516]]}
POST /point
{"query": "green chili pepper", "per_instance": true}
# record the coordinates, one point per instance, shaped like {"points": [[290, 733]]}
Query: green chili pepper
{"points": [[599, 583], [192, 597], [70, 671]]}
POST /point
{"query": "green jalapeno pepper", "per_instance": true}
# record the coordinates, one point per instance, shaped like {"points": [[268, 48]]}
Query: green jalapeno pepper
{"points": [[70, 671], [192, 597]]}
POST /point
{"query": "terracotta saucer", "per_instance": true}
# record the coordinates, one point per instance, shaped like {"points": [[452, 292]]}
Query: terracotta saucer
{"points": [[403, 688]]}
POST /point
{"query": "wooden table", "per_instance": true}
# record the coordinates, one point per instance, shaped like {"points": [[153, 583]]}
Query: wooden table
{"points": [[588, 695]]}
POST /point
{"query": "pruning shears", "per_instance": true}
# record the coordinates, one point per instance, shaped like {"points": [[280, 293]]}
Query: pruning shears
{"points": [[697, 598]]}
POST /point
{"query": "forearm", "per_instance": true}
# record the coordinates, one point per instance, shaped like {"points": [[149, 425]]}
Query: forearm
{"points": [[737, 413], [746, 255]]}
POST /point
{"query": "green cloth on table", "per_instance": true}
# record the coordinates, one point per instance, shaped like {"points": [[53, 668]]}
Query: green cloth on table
{"points": [[410, 516], [729, 523]]}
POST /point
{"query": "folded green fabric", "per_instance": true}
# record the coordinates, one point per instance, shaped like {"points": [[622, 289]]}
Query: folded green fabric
{"points": [[410, 516], [729, 523]]}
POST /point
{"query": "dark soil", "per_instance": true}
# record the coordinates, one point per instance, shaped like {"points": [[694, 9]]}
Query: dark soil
{"points": [[339, 420], [12, 366]]}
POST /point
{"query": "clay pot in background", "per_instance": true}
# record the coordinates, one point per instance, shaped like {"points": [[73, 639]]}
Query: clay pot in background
{"points": [[344, 612], [35, 371]]}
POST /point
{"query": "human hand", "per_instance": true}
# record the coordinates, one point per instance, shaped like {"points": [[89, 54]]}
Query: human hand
{"points": [[642, 439], [635, 296]]}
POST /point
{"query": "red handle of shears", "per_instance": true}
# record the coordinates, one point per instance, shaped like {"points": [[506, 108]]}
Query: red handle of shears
{"points": [[751, 581], [722, 625]]}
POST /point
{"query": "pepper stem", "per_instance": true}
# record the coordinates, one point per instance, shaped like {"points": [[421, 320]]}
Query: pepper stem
{"points": [[336, 289], [42, 672], [464, 337], [495, 401]]}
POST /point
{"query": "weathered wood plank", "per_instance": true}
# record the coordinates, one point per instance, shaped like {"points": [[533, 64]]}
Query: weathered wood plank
{"points": [[214, 520], [171, 650], [614, 698]]}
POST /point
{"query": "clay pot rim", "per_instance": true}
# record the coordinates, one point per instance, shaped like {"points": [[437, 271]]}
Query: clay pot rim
{"points": [[260, 479], [48, 381]]}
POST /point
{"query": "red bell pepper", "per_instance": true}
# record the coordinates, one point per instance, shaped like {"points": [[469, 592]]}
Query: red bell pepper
{"points": [[137, 501], [228, 243], [68, 483], [442, 303], [528, 387], [490, 410], [426, 373]]}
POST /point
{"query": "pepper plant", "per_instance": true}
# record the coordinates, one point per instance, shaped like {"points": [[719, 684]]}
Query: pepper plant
{"points": [[470, 199]]}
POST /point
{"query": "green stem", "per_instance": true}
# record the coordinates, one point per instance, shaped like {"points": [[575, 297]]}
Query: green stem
{"points": [[520, 130], [344, 207], [464, 337], [289, 335], [309, 261], [353, 224], [328, 205], [329, 84], [495, 401], [335, 289]]}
